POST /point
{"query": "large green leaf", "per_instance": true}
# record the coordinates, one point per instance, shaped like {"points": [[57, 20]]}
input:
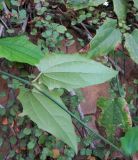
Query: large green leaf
{"points": [[7, 2], [136, 3], [113, 116], [48, 116], [105, 40], [97, 2], [72, 71], [129, 142], [120, 8], [19, 49], [77, 4], [131, 44]]}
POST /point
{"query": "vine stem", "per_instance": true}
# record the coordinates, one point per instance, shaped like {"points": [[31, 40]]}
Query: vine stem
{"points": [[15, 77], [62, 107]]}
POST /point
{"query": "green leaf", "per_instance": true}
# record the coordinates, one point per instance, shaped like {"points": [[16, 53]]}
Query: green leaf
{"points": [[77, 4], [13, 140], [129, 142], [48, 116], [20, 49], [120, 8], [72, 71], [7, 2], [97, 2], [61, 29], [27, 131], [1, 141], [131, 43], [105, 40], [31, 145], [114, 116], [11, 154], [136, 3], [42, 139]]}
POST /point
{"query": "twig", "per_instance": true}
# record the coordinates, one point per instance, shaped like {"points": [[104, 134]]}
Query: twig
{"points": [[88, 32], [24, 25], [1, 30], [78, 30], [38, 6], [89, 114], [5, 25], [77, 129], [72, 93], [117, 78], [114, 64]]}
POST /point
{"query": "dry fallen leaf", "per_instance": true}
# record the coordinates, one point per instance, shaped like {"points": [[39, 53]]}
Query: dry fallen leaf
{"points": [[91, 158], [135, 156], [56, 153], [5, 121]]}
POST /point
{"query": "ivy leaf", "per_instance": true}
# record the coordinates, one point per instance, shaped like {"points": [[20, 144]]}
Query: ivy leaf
{"points": [[105, 40], [120, 8], [114, 116], [19, 49], [131, 43], [136, 3], [47, 115], [61, 29], [72, 71], [129, 142]]}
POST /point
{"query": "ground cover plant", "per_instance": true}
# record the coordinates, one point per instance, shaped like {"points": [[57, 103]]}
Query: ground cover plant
{"points": [[40, 82]]}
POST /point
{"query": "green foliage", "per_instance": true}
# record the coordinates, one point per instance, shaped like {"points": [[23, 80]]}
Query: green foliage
{"points": [[61, 29], [136, 3], [51, 24], [20, 49], [72, 71], [131, 44], [1, 141], [77, 4], [27, 131], [53, 34], [56, 68], [19, 16], [129, 142], [31, 145], [120, 8], [7, 2], [97, 2], [47, 115], [105, 40], [114, 116]]}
